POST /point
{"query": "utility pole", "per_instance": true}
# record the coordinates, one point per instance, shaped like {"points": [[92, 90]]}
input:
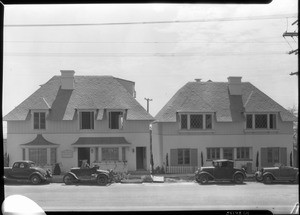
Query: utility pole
{"points": [[148, 100], [292, 35]]}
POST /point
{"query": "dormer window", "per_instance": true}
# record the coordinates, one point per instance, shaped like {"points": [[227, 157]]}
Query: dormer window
{"points": [[39, 120], [261, 121], [116, 119], [86, 119], [195, 121]]}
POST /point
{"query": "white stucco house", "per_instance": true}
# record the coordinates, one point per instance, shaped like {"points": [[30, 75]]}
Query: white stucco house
{"points": [[210, 120], [74, 118]]}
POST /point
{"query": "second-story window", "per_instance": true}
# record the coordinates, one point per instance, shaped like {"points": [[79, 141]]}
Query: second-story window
{"points": [[261, 121], [116, 120], [86, 120], [39, 119], [196, 121]]}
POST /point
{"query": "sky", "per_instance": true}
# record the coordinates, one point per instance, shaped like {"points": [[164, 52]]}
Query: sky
{"points": [[207, 41]]}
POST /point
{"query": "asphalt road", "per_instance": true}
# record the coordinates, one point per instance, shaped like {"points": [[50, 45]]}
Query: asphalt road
{"points": [[278, 198]]}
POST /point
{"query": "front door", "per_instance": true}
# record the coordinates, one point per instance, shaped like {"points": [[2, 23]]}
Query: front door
{"points": [[83, 154], [141, 158]]}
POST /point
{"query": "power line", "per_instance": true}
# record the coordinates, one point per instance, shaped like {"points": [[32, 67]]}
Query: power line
{"points": [[277, 16]]}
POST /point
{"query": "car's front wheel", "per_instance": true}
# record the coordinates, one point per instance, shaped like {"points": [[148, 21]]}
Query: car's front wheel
{"points": [[102, 180], [238, 178], [203, 179], [268, 179], [68, 179], [35, 179]]}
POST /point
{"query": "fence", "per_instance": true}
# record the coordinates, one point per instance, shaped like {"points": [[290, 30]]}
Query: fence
{"points": [[181, 169]]}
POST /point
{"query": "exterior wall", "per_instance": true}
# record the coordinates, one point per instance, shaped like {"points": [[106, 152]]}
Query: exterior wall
{"points": [[66, 133], [167, 136]]}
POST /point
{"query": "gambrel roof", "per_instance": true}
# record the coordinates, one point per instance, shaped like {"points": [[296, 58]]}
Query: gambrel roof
{"points": [[214, 97], [89, 93]]}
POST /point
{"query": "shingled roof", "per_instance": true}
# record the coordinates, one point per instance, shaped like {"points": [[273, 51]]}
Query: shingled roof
{"points": [[90, 92], [215, 97]]}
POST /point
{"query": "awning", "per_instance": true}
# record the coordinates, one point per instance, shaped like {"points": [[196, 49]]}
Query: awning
{"points": [[40, 141], [96, 141]]}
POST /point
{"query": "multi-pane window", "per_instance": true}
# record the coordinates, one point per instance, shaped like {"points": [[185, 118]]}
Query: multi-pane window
{"points": [[213, 153], [110, 154], [261, 121], [39, 120], [184, 121], [86, 120], [116, 120], [123, 154], [243, 153], [38, 155], [23, 154], [228, 153], [184, 157], [196, 121], [273, 155]]}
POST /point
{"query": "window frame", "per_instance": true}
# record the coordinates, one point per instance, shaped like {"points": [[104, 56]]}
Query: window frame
{"points": [[271, 121], [39, 120], [120, 120], [186, 120], [186, 156], [110, 157], [241, 153], [91, 120], [216, 151]]}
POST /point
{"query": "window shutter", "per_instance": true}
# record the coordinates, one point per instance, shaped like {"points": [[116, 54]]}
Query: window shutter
{"points": [[283, 156], [194, 157], [174, 157], [263, 157]]}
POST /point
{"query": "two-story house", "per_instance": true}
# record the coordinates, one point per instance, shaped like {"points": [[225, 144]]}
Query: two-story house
{"points": [[71, 118], [233, 120]]}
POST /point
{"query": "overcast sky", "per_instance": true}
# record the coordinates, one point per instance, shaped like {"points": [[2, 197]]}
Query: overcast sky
{"points": [[226, 40]]}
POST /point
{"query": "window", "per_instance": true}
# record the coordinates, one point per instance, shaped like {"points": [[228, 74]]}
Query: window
{"points": [[228, 153], [23, 154], [52, 155], [86, 120], [261, 121], [196, 121], [272, 122], [116, 120], [184, 121], [243, 153], [213, 153], [123, 154], [184, 156], [39, 120], [110, 154], [38, 155]]}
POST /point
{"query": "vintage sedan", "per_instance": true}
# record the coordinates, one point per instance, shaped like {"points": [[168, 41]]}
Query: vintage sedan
{"points": [[277, 173], [221, 170], [85, 174], [26, 170]]}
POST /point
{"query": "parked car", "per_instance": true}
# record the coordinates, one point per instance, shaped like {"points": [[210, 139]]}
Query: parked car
{"points": [[221, 170], [277, 173], [81, 174], [26, 170]]}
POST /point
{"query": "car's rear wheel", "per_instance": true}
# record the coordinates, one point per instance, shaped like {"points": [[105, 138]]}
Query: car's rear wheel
{"points": [[268, 179], [203, 179], [35, 179], [68, 179], [102, 180], [239, 178]]}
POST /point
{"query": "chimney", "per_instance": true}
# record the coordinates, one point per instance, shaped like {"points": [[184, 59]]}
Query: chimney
{"points": [[235, 85], [67, 79], [198, 79]]}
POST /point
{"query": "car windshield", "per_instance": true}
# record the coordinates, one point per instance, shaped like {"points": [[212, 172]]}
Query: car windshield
{"points": [[32, 164]]}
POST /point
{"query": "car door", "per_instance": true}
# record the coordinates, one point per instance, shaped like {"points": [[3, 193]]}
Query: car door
{"points": [[21, 170], [286, 173]]}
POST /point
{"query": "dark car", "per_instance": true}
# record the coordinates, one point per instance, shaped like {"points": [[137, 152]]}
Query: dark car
{"points": [[84, 174], [221, 170], [26, 170], [277, 173]]}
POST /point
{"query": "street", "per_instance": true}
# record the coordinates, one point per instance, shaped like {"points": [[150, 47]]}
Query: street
{"points": [[278, 198]]}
